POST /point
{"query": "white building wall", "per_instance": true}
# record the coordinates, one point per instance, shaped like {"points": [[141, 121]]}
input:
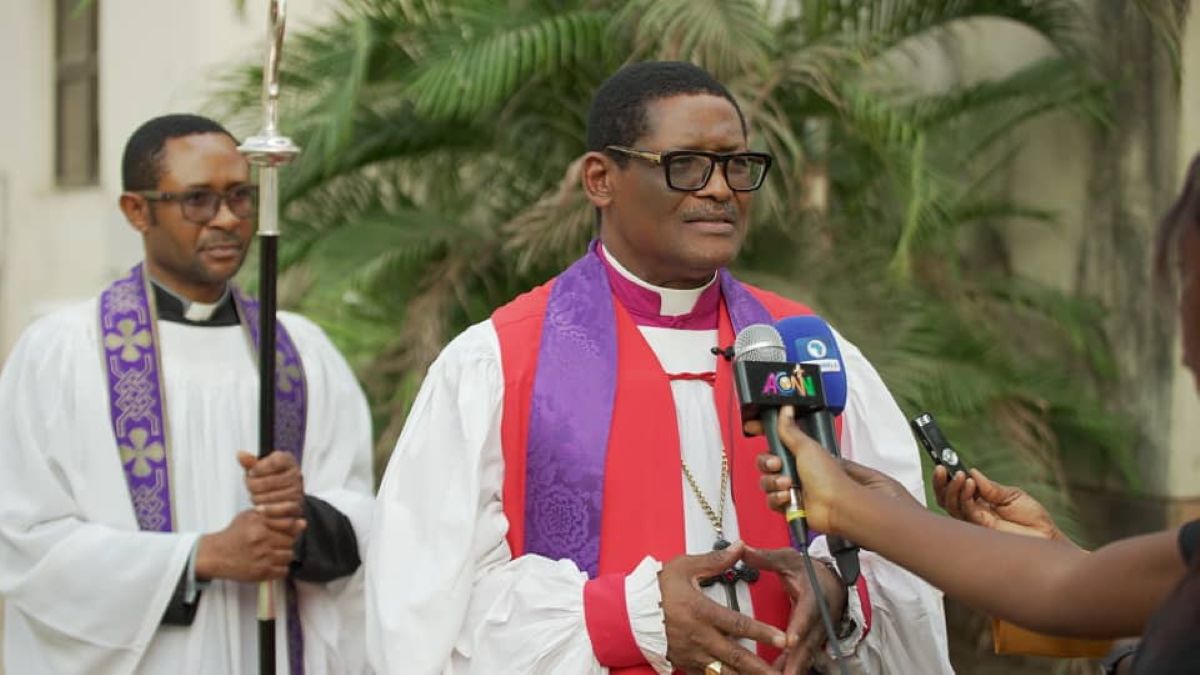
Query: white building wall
{"points": [[60, 245]]}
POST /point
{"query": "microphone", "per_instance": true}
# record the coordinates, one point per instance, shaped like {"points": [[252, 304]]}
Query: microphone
{"points": [[765, 381], [809, 340]]}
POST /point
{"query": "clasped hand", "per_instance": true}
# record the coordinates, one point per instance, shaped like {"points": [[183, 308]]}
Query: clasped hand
{"points": [[701, 631], [257, 545]]}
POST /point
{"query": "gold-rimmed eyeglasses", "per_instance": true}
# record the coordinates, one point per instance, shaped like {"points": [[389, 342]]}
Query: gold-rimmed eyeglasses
{"points": [[690, 170]]}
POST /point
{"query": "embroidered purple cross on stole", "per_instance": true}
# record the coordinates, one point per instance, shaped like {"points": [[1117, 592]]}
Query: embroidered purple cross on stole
{"points": [[568, 435], [137, 406]]}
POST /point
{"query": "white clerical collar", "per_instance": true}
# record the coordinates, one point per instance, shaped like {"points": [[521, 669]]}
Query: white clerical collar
{"points": [[193, 310], [673, 301]]}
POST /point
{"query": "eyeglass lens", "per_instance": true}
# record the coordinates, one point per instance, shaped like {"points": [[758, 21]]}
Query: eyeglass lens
{"points": [[692, 172], [201, 206]]}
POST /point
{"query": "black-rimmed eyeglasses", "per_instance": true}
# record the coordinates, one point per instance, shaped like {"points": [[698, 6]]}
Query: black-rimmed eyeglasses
{"points": [[202, 205], [690, 170]]}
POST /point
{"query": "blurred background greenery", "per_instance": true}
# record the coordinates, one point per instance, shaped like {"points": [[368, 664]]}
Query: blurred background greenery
{"points": [[440, 179], [967, 189]]}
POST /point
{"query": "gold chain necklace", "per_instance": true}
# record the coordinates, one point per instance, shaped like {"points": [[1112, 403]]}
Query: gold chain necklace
{"points": [[716, 517], [739, 572]]}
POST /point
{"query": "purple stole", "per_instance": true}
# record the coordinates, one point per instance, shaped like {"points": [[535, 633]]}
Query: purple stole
{"points": [[568, 433], [137, 406]]}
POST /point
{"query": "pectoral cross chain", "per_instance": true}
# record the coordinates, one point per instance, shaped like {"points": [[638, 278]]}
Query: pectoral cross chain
{"points": [[740, 571]]}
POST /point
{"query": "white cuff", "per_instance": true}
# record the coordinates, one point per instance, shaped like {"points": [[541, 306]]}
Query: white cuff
{"points": [[192, 586], [854, 612], [854, 609], [643, 601]]}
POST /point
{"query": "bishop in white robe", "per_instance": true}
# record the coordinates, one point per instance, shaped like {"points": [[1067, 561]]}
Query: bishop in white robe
{"points": [[445, 594]]}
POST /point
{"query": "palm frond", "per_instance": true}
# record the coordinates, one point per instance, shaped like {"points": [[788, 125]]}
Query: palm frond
{"points": [[727, 37], [1167, 19], [1054, 83], [554, 228], [879, 25], [493, 58]]}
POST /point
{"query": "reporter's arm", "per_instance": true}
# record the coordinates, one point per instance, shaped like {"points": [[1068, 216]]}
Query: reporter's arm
{"points": [[1036, 583]]}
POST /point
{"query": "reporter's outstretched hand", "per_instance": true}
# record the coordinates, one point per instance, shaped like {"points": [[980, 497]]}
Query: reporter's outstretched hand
{"points": [[977, 499], [822, 477]]}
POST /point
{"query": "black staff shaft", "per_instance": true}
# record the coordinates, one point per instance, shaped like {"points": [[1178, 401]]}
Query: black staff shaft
{"points": [[269, 261], [268, 264], [267, 150]]}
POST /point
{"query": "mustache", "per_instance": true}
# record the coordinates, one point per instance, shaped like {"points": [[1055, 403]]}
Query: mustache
{"points": [[728, 213], [225, 239]]}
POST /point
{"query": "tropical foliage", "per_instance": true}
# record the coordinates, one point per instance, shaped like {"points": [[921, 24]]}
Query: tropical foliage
{"points": [[439, 179]]}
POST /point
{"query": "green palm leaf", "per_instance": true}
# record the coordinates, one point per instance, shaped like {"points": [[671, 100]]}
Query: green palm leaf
{"points": [[729, 37], [494, 55], [879, 25]]}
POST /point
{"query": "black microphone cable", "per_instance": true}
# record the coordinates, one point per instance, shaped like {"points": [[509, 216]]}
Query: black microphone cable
{"points": [[796, 516]]}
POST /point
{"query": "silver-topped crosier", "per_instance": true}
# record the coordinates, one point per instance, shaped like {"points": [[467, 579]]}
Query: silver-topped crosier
{"points": [[268, 150]]}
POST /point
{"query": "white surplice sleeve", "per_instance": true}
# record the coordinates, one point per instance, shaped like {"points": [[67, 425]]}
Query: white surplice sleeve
{"points": [[337, 449], [337, 469], [85, 590], [907, 621], [444, 594]]}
